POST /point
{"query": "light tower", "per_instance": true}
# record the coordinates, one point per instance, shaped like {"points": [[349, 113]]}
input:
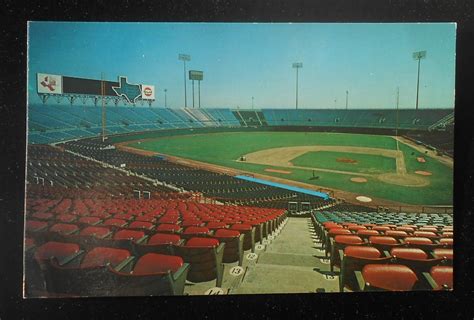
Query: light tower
{"points": [[418, 56], [166, 90], [184, 58], [297, 65], [347, 98]]}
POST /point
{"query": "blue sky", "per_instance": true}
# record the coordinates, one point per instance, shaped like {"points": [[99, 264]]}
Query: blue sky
{"points": [[244, 60]]}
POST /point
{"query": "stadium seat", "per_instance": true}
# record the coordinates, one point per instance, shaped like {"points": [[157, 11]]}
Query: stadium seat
{"points": [[355, 258], [423, 243], [214, 225], [446, 242], [205, 257], [92, 221], [190, 232], [414, 258], [443, 253], [158, 243], [384, 243], [339, 243], [116, 223], [153, 275], [366, 233], [386, 277], [249, 235], [233, 240], [440, 278], [98, 232], [63, 252], [66, 218], [90, 278], [169, 228]]}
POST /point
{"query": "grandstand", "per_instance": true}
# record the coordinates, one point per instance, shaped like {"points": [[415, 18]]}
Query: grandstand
{"points": [[103, 220]]}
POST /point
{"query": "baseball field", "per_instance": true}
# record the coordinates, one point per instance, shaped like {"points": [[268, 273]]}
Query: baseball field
{"points": [[381, 167]]}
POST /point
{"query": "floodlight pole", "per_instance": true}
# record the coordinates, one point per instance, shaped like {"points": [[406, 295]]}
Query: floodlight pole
{"points": [[418, 56], [347, 98], [184, 58], [102, 92], [165, 96], [297, 65], [199, 94]]}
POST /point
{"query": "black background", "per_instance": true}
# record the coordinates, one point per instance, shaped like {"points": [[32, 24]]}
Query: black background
{"points": [[411, 305]]}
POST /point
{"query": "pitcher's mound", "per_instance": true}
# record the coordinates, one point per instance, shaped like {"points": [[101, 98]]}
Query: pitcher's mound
{"points": [[359, 180], [346, 160], [423, 173]]}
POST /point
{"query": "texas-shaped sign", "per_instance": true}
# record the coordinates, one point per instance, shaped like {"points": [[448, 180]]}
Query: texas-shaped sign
{"points": [[131, 92]]}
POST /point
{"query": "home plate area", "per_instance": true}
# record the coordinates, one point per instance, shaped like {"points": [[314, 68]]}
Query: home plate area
{"points": [[293, 248]]}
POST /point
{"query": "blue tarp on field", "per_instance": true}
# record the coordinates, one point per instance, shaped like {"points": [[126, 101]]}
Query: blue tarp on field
{"points": [[323, 195]]}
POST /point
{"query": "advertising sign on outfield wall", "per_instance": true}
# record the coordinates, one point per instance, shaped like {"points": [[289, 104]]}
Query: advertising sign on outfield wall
{"points": [[148, 92], [49, 83]]}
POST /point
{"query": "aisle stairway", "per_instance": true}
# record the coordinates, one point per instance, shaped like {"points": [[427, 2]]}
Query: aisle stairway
{"points": [[290, 264], [289, 261]]}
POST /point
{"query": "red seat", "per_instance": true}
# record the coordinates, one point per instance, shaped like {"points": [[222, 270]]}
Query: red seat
{"points": [[381, 228], [133, 235], [145, 225], [354, 259], [146, 218], [123, 216], [202, 242], [226, 233], [157, 263], [396, 233], [60, 251], [100, 256], [35, 226], [98, 232], [391, 277], [446, 242], [205, 258], [355, 228], [213, 225], [249, 235], [198, 231], [191, 223], [384, 242], [425, 234], [66, 218], [170, 228], [340, 242], [115, 222], [164, 238], [409, 253], [64, 229], [29, 244], [367, 233], [90, 220], [43, 216], [443, 277], [443, 253], [447, 234], [409, 230], [233, 240]]}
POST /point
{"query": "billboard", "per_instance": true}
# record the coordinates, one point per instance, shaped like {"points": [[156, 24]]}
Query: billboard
{"points": [[196, 75], [148, 92], [72, 85], [49, 83]]}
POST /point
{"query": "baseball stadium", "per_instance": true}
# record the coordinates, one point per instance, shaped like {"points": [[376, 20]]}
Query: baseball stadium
{"points": [[125, 198]]}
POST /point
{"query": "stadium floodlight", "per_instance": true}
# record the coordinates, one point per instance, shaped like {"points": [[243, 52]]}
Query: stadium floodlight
{"points": [[418, 56], [184, 58], [166, 90], [297, 65]]}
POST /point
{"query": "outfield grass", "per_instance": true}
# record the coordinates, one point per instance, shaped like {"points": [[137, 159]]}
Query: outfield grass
{"points": [[365, 163], [224, 148]]}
